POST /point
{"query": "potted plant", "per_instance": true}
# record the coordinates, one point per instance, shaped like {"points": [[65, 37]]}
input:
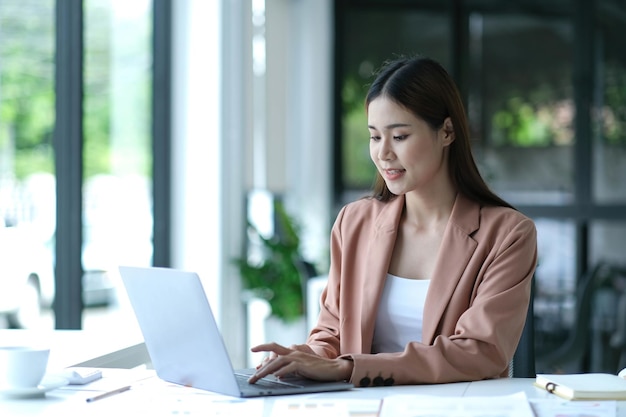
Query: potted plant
{"points": [[278, 276]]}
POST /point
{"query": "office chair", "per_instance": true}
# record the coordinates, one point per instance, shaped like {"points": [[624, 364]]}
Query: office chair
{"points": [[523, 363], [569, 356]]}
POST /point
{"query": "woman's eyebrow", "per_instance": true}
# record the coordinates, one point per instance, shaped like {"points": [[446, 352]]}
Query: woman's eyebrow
{"points": [[391, 126]]}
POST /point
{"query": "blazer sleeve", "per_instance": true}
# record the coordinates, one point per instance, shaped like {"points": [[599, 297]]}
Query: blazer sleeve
{"points": [[324, 339]]}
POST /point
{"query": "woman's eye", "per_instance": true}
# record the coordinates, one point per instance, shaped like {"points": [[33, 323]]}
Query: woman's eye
{"points": [[400, 137], [376, 138]]}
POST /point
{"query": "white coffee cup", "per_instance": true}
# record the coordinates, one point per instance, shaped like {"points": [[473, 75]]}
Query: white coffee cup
{"points": [[22, 366]]}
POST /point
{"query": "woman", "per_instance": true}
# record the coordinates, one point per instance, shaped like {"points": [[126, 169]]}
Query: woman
{"points": [[430, 278]]}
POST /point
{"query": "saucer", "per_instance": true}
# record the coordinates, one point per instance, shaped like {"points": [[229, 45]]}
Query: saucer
{"points": [[48, 383]]}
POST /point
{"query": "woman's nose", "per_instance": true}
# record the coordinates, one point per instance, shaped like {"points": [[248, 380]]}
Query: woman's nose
{"points": [[384, 151]]}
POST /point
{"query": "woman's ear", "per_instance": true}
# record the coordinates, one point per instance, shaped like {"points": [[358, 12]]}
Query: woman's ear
{"points": [[447, 131]]}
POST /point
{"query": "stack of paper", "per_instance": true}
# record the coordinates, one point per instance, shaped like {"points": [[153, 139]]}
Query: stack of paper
{"points": [[515, 405]]}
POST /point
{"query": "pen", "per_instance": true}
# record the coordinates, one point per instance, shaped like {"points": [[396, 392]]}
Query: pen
{"points": [[108, 394]]}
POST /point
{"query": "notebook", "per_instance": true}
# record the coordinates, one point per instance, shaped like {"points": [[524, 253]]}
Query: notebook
{"points": [[184, 342], [585, 386]]}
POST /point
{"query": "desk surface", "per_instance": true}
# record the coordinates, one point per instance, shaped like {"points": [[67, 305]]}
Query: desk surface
{"points": [[152, 396]]}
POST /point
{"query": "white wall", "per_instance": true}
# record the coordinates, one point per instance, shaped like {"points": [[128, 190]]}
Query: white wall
{"points": [[299, 114], [213, 136], [309, 123], [196, 145]]}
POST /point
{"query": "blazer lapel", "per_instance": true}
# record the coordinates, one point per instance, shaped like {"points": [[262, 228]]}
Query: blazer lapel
{"points": [[378, 258], [457, 248]]}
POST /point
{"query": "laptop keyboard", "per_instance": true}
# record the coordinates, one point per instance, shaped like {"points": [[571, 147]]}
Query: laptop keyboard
{"points": [[242, 380]]}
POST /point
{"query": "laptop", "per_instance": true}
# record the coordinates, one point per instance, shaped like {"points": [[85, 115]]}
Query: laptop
{"points": [[184, 341]]}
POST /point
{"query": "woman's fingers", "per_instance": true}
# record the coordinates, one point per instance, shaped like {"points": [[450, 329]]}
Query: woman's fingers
{"points": [[274, 350], [267, 368], [271, 347], [297, 359], [302, 348], [267, 359], [288, 369], [296, 362], [268, 365]]}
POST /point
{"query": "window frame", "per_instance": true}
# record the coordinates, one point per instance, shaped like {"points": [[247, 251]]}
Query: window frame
{"points": [[68, 147]]}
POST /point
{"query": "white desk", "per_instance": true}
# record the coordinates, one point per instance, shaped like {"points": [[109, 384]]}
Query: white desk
{"points": [[151, 396]]}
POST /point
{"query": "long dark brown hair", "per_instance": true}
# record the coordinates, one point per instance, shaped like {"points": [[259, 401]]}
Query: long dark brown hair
{"points": [[424, 87]]}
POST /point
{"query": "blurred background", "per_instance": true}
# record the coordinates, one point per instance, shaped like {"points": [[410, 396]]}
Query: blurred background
{"points": [[157, 132]]}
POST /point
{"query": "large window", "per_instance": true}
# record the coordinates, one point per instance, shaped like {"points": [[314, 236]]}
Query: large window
{"points": [[521, 112], [27, 174], [609, 122], [111, 179], [117, 158], [364, 48], [522, 119], [544, 89]]}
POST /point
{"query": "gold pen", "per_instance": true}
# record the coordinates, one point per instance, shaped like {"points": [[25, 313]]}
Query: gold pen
{"points": [[108, 394]]}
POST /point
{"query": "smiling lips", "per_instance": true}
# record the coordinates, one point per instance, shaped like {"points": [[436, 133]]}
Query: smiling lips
{"points": [[392, 174]]}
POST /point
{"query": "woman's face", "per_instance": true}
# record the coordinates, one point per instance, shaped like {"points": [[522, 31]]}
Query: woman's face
{"points": [[407, 152]]}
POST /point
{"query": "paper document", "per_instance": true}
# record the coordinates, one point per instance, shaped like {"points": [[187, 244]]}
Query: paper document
{"points": [[515, 405], [316, 407], [556, 407], [305, 408], [156, 398]]}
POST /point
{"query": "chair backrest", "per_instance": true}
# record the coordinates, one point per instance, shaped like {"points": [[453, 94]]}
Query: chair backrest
{"points": [[523, 363], [570, 355]]}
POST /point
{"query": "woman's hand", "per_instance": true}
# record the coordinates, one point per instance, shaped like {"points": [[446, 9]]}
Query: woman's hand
{"points": [[302, 348], [300, 360]]}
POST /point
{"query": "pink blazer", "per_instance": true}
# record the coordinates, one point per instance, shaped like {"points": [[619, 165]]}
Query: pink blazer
{"points": [[476, 304]]}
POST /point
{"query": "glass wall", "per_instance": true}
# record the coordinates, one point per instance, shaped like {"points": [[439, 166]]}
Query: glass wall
{"points": [[116, 161], [609, 144], [27, 175], [607, 234], [365, 47], [117, 158], [545, 94], [522, 119], [521, 112]]}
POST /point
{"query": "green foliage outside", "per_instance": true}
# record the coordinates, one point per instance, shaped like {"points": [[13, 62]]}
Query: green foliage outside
{"points": [[27, 85], [358, 169], [613, 115], [520, 124], [27, 91], [277, 277]]}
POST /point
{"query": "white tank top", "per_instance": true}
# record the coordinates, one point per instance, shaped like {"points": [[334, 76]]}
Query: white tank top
{"points": [[400, 314]]}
